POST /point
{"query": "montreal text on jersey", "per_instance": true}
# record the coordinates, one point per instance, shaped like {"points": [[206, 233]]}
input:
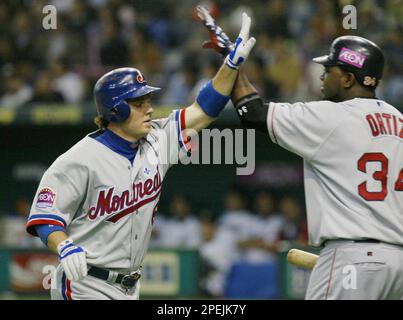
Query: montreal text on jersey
{"points": [[118, 206]]}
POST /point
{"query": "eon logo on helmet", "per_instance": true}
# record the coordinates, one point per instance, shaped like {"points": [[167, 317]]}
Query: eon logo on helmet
{"points": [[352, 57]]}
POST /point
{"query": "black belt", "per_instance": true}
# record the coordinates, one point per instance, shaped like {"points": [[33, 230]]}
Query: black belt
{"points": [[368, 240], [362, 241], [126, 281], [354, 241]]}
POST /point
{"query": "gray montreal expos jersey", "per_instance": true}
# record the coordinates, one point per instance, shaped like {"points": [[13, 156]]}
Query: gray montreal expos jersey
{"points": [[353, 166], [105, 202]]}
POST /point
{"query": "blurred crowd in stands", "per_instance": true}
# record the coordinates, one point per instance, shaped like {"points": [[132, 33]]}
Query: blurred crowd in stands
{"points": [[162, 39]]}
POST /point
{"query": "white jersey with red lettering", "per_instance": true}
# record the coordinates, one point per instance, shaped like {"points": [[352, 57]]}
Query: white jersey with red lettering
{"points": [[105, 202], [353, 166]]}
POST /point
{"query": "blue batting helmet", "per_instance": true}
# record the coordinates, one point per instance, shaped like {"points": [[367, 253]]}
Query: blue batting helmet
{"points": [[114, 89]]}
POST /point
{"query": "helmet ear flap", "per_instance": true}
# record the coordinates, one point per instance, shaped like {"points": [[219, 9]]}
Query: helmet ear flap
{"points": [[120, 112]]}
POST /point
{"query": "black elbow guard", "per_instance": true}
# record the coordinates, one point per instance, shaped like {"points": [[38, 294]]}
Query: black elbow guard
{"points": [[253, 112]]}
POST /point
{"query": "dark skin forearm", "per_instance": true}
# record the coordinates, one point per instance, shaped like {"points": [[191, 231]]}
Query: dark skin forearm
{"points": [[242, 87], [250, 107]]}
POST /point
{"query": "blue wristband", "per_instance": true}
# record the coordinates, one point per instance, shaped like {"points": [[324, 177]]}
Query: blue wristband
{"points": [[211, 101], [44, 230]]}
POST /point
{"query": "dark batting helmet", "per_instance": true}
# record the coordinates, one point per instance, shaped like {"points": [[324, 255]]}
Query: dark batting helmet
{"points": [[114, 89], [357, 55]]}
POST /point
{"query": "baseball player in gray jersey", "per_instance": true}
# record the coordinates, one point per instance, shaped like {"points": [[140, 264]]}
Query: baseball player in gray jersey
{"points": [[352, 146], [95, 204]]}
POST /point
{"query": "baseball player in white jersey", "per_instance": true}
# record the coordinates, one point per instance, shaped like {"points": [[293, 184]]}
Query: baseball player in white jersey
{"points": [[352, 146], [95, 204]]}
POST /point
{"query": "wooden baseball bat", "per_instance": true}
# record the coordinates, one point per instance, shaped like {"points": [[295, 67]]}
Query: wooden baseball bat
{"points": [[302, 258]]}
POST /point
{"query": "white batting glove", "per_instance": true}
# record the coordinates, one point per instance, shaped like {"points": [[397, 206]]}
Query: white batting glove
{"points": [[73, 260], [243, 45]]}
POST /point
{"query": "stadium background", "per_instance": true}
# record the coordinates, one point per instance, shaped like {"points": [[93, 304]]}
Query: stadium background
{"points": [[46, 80]]}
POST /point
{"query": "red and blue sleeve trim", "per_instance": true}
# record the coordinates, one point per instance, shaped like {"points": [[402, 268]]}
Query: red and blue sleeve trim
{"points": [[49, 219], [181, 126]]}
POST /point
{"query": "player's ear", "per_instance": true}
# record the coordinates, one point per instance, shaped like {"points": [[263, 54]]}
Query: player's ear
{"points": [[348, 80]]}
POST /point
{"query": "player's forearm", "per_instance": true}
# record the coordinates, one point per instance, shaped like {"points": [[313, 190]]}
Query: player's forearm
{"points": [[249, 106], [211, 100], [224, 80], [196, 119], [55, 238], [242, 87]]}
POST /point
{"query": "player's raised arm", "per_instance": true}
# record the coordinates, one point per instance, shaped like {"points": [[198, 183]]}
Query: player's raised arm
{"points": [[250, 107], [213, 97]]}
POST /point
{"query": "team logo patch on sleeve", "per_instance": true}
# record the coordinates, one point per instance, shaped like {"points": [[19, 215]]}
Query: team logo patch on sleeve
{"points": [[46, 198]]}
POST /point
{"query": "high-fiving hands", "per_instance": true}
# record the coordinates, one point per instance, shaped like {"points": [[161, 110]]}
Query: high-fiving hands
{"points": [[236, 52], [219, 41], [243, 45]]}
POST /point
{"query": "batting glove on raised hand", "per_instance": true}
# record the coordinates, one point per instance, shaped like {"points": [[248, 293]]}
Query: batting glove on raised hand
{"points": [[243, 45], [73, 260], [219, 41]]}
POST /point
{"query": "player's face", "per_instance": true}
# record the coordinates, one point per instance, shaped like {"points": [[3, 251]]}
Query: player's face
{"points": [[332, 88], [139, 123]]}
